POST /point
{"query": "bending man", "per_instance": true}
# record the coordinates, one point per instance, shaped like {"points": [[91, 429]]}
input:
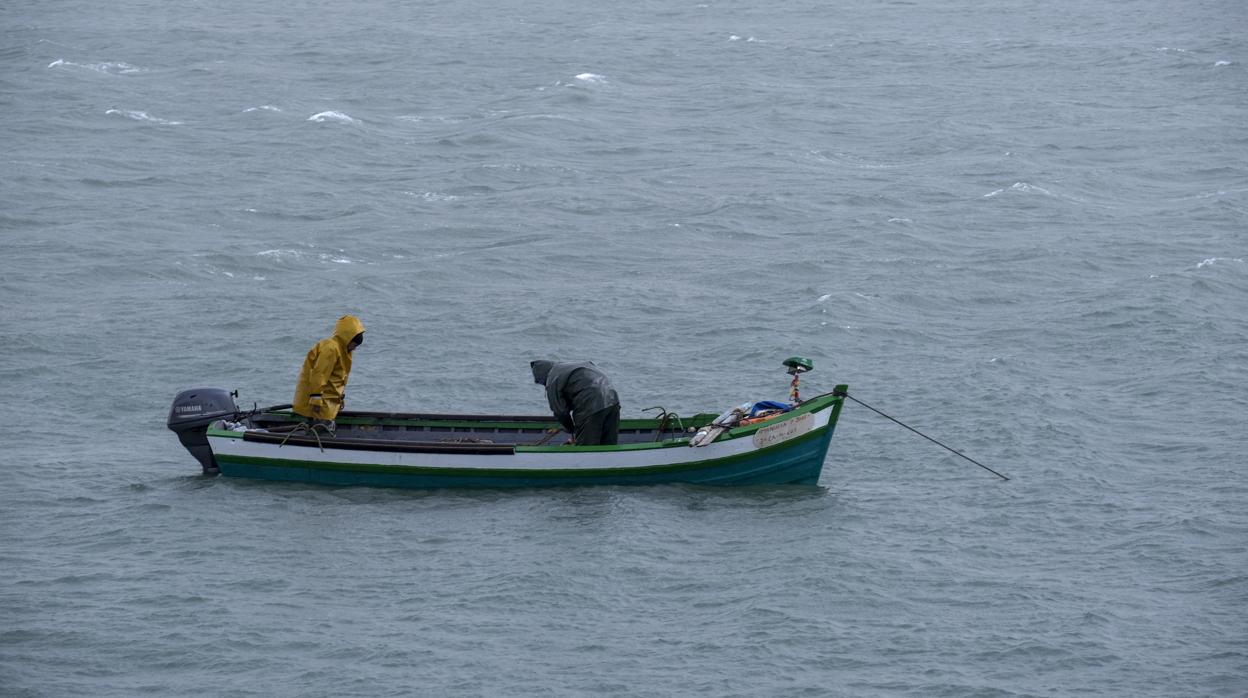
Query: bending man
{"points": [[323, 378], [582, 399]]}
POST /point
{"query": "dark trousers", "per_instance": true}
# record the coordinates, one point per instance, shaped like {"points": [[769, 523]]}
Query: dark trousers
{"points": [[601, 428]]}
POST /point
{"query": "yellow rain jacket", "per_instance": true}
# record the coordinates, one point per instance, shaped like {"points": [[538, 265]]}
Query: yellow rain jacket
{"points": [[324, 375]]}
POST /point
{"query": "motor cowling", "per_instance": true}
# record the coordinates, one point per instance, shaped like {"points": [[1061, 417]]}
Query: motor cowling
{"points": [[192, 412]]}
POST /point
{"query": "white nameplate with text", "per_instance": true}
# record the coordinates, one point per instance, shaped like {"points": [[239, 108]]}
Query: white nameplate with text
{"points": [[774, 434]]}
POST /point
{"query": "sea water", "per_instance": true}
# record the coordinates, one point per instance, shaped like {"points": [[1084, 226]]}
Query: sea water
{"points": [[1017, 227]]}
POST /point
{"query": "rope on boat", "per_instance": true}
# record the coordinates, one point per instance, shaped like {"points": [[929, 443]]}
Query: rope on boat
{"points": [[665, 418], [550, 433], [302, 428], [957, 453]]}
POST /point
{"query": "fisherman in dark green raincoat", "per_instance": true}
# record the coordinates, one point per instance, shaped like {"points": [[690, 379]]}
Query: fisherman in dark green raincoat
{"points": [[582, 399]]}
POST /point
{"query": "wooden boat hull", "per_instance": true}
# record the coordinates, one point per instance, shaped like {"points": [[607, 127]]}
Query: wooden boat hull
{"points": [[790, 449]]}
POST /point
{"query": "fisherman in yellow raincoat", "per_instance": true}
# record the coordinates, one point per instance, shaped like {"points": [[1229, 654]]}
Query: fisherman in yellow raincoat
{"points": [[323, 378]]}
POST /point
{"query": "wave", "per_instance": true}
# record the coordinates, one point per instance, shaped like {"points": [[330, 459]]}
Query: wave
{"points": [[582, 79], [432, 196], [263, 107], [332, 116], [1020, 186], [419, 119], [142, 116], [306, 255], [1219, 260], [108, 68]]}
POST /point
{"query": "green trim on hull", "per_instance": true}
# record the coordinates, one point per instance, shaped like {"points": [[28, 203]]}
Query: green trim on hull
{"points": [[797, 461]]}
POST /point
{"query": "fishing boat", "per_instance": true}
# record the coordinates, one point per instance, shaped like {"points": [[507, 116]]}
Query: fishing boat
{"points": [[760, 443]]}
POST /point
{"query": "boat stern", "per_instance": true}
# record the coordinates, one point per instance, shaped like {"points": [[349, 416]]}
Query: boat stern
{"points": [[190, 415]]}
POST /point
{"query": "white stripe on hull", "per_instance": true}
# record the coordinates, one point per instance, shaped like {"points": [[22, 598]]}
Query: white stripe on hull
{"points": [[521, 461]]}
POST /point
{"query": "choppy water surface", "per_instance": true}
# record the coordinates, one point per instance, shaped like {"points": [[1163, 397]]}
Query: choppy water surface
{"points": [[1019, 228]]}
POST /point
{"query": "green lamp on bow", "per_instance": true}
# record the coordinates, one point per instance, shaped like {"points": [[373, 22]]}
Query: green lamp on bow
{"points": [[797, 366]]}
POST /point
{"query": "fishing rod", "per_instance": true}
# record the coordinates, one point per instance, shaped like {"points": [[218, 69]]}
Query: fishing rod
{"points": [[955, 452]]}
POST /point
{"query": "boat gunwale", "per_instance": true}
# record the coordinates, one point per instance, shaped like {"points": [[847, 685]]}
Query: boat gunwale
{"points": [[633, 470], [810, 406]]}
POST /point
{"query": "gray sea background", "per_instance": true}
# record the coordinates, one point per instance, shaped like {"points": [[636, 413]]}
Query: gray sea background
{"points": [[1019, 227]]}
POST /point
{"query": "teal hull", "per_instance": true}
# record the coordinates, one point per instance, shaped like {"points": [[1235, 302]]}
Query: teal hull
{"points": [[798, 461]]}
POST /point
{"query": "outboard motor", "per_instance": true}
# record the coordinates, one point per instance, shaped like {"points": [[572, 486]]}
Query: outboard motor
{"points": [[192, 411]]}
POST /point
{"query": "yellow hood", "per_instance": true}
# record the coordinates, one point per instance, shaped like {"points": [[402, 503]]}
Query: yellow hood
{"points": [[346, 328]]}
